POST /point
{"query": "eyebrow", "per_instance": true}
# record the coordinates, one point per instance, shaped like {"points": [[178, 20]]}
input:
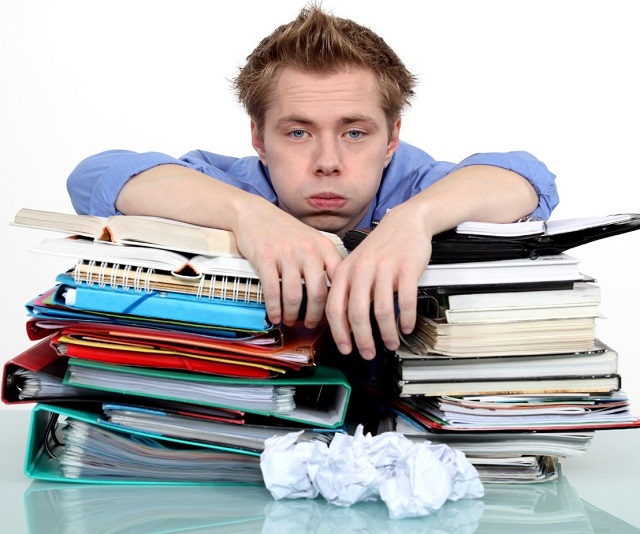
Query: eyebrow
{"points": [[345, 121]]}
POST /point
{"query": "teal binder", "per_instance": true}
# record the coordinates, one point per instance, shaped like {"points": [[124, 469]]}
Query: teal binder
{"points": [[41, 458], [321, 393]]}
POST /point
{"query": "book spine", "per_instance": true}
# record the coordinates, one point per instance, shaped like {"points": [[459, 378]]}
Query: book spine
{"points": [[214, 286]]}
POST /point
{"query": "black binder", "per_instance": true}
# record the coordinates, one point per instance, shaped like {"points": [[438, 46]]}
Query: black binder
{"points": [[454, 247]]}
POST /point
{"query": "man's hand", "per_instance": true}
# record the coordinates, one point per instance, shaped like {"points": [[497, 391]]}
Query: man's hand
{"points": [[392, 258], [389, 261], [284, 252]]}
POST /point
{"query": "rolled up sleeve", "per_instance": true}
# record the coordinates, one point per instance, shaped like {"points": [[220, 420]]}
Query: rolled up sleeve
{"points": [[94, 185], [528, 166]]}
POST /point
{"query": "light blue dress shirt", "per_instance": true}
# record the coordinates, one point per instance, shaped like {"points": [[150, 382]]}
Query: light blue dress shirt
{"points": [[95, 183]]}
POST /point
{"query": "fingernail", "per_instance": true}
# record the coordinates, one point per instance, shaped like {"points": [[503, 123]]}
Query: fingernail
{"points": [[367, 355], [344, 348]]}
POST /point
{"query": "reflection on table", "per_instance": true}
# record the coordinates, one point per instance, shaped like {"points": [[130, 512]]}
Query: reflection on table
{"points": [[69, 508]]}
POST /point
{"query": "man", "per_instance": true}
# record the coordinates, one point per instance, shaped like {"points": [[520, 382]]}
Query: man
{"points": [[325, 98]]}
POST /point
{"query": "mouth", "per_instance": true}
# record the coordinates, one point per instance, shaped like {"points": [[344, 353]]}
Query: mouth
{"points": [[326, 201]]}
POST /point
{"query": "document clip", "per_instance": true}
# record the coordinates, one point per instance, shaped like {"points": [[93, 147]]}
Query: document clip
{"points": [[50, 437]]}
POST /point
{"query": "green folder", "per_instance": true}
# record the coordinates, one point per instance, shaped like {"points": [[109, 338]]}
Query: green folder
{"points": [[321, 393], [42, 462]]}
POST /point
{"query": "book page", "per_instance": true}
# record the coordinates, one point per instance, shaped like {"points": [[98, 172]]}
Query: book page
{"points": [[173, 235], [100, 251], [583, 223], [516, 229], [86, 225], [538, 226]]}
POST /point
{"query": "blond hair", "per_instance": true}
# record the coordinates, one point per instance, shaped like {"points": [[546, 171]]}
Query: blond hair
{"points": [[323, 44]]}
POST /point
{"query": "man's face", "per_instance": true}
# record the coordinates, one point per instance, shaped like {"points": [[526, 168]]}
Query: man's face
{"points": [[326, 142]]}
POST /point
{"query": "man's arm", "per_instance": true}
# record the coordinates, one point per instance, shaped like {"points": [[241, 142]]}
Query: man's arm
{"points": [[381, 265], [283, 250]]}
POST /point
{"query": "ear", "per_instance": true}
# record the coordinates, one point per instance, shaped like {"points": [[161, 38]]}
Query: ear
{"points": [[258, 143], [394, 141]]}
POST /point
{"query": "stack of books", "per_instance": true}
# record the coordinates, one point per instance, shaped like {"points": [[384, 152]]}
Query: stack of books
{"points": [[505, 363], [153, 359]]}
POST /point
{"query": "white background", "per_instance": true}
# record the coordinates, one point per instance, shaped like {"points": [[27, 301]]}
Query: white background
{"points": [[558, 79]]}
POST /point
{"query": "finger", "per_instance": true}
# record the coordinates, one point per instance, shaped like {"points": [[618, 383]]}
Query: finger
{"points": [[291, 293], [336, 312], [384, 311], [407, 303], [270, 280], [359, 317], [331, 262], [315, 286]]}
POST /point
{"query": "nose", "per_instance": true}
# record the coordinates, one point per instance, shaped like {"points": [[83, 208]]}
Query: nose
{"points": [[327, 158]]}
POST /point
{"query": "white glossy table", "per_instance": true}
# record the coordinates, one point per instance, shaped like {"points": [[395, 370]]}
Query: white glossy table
{"points": [[598, 493]]}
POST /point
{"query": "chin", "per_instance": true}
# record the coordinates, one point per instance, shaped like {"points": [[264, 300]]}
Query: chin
{"points": [[326, 223]]}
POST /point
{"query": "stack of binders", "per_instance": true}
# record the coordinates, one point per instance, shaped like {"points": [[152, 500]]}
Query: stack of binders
{"points": [[155, 365], [505, 363]]}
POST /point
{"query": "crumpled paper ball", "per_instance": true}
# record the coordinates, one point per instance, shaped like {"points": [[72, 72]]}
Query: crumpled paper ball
{"points": [[412, 479]]}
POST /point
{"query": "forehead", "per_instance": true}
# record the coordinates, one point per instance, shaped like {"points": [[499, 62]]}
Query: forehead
{"points": [[352, 90]]}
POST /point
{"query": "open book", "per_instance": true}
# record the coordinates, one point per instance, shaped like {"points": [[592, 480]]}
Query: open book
{"points": [[144, 231], [95, 254], [533, 226]]}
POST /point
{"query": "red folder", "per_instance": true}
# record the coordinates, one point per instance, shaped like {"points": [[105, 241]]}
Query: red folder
{"points": [[295, 345], [39, 358], [166, 361]]}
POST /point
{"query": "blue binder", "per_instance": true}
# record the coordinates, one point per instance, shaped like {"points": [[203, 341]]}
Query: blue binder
{"points": [[161, 305]]}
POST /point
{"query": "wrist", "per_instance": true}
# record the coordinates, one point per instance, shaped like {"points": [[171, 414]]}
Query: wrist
{"points": [[248, 209], [423, 213]]}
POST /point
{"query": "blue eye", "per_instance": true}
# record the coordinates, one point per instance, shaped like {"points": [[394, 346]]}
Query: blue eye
{"points": [[354, 134], [297, 134]]}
